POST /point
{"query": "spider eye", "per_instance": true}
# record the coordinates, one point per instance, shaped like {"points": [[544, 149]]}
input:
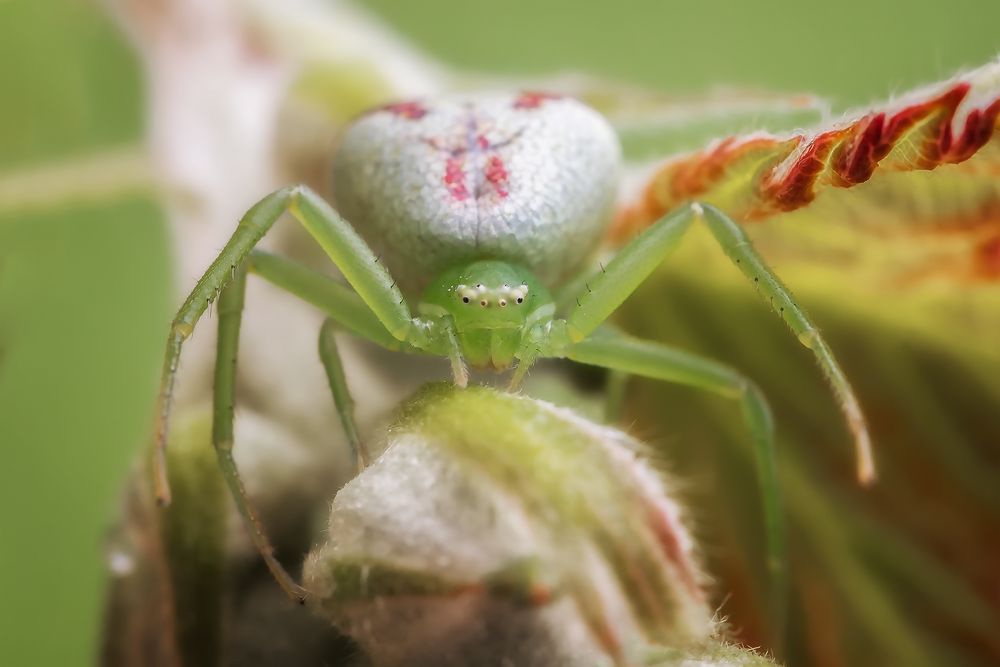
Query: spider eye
{"points": [[520, 299], [484, 303], [465, 299]]}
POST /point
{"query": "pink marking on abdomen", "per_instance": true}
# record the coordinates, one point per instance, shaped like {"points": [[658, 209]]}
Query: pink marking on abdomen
{"points": [[533, 100], [407, 110], [454, 178], [496, 174]]}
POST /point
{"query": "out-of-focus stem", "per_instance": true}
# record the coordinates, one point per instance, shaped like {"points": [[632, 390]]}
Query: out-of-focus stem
{"points": [[86, 179]]}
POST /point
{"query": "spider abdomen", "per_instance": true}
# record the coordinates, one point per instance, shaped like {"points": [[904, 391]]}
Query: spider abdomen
{"points": [[527, 178]]}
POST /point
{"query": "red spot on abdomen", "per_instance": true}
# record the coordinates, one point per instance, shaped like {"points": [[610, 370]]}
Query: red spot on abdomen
{"points": [[407, 110], [454, 178], [533, 100], [496, 174]]}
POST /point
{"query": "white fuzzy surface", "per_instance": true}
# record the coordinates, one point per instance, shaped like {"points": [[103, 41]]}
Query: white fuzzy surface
{"points": [[562, 163]]}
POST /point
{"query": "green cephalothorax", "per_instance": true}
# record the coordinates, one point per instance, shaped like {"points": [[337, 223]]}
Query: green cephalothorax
{"points": [[492, 306]]}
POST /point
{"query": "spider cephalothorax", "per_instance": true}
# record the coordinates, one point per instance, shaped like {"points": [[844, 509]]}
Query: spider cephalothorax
{"points": [[492, 305]]}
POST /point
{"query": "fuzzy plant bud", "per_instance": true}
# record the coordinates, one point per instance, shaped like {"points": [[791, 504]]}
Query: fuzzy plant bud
{"points": [[498, 529]]}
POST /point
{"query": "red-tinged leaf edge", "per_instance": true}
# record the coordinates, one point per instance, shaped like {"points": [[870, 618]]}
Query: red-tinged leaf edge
{"points": [[945, 123]]}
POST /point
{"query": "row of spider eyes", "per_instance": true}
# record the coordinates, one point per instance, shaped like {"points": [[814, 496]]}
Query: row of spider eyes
{"points": [[504, 294]]}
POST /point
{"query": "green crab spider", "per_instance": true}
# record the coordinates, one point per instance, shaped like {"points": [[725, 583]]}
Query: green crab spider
{"points": [[481, 205]]}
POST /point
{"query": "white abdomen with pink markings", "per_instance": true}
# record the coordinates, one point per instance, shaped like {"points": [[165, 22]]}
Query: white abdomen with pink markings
{"points": [[529, 179]]}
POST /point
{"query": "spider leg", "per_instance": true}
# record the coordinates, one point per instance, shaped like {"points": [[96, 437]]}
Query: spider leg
{"points": [[330, 357], [348, 310], [337, 300], [223, 407], [372, 282], [633, 264], [618, 352], [528, 352], [445, 339]]}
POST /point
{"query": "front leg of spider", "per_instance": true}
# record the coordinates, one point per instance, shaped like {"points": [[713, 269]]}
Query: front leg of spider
{"points": [[636, 261], [444, 340], [578, 338], [226, 277], [529, 351]]}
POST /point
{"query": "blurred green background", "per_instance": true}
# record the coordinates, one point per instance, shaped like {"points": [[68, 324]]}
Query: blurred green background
{"points": [[84, 298]]}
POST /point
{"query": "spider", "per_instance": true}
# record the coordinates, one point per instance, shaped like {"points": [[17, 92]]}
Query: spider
{"points": [[482, 207]]}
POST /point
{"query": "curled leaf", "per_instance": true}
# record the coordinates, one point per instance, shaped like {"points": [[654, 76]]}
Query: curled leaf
{"points": [[886, 227], [869, 177]]}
